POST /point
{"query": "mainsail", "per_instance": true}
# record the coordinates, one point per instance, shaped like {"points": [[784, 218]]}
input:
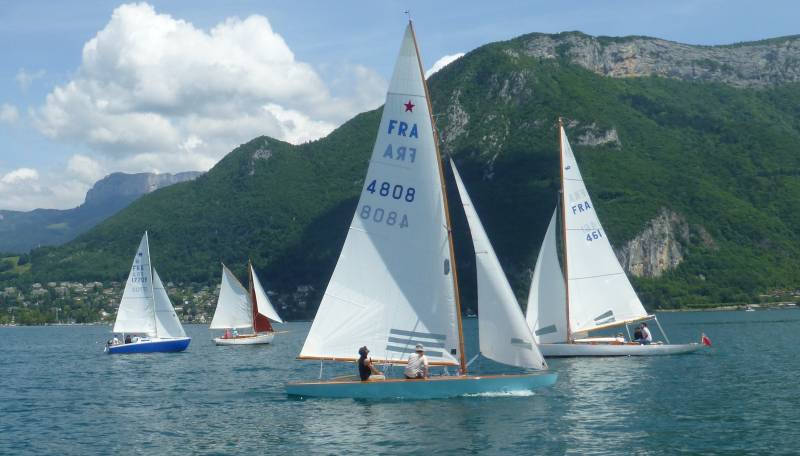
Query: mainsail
{"points": [[393, 283], [233, 305], [503, 332], [167, 323], [547, 306], [600, 293], [136, 309]]}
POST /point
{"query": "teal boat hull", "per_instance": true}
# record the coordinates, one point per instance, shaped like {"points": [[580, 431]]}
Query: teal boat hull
{"points": [[432, 388]]}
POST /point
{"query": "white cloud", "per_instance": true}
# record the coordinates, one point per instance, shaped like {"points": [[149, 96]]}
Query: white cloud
{"points": [[155, 93], [19, 175], [443, 62], [25, 189], [8, 113], [25, 78]]}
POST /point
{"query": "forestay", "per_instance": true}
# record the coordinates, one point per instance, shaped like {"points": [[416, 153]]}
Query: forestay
{"points": [[263, 304], [547, 307], [599, 291], [503, 333], [167, 323], [392, 286], [135, 313], [233, 305]]}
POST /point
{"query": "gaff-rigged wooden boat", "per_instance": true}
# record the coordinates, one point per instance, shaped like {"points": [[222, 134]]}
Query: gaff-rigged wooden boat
{"points": [[145, 310], [238, 308], [597, 295], [395, 284]]}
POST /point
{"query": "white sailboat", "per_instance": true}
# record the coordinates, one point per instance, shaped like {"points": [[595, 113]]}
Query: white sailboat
{"points": [[395, 283], [146, 313], [597, 295], [238, 308]]}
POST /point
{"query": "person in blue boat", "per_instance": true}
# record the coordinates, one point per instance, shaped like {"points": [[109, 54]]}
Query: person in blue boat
{"points": [[647, 338], [417, 366], [127, 338], [365, 367]]}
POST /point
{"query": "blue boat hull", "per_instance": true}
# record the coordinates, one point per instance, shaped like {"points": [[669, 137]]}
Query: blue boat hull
{"points": [[150, 346], [432, 388]]}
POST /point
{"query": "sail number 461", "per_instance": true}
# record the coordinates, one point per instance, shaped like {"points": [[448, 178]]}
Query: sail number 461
{"points": [[395, 191], [379, 215], [594, 235]]}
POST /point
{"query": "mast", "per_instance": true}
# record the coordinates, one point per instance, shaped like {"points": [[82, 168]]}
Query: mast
{"points": [[457, 294], [152, 287], [251, 290], [564, 224]]}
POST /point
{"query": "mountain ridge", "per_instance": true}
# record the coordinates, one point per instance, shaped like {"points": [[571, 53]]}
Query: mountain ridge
{"points": [[22, 230], [719, 159]]}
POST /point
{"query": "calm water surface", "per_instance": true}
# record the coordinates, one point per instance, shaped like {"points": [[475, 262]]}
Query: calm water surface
{"points": [[61, 395]]}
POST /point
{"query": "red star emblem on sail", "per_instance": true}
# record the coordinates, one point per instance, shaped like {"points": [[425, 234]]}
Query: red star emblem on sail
{"points": [[409, 106]]}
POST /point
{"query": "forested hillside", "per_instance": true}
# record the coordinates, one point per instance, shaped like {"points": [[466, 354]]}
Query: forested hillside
{"points": [[722, 157]]}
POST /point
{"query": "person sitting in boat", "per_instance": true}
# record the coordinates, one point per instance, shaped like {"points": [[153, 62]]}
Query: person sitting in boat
{"points": [[417, 366], [227, 334], [235, 333], [365, 367], [637, 334], [127, 338], [647, 338]]}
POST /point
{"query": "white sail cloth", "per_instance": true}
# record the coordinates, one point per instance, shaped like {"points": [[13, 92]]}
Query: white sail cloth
{"points": [[547, 302], [599, 291], [264, 305], [136, 309], [392, 286], [167, 323], [233, 304], [503, 333], [145, 307]]}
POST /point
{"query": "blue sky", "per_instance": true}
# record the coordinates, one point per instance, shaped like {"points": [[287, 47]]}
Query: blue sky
{"points": [[92, 87]]}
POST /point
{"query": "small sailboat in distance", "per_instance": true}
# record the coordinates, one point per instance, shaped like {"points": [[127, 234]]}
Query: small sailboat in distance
{"points": [[395, 284], [238, 308], [597, 295], [146, 319]]}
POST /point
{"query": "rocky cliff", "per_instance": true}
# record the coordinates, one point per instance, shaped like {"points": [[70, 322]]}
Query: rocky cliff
{"points": [[122, 185], [755, 64], [21, 231]]}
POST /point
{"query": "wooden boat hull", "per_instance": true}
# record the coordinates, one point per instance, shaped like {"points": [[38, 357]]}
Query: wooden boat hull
{"points": [[570, 350], [432, 388], [247, 339], [150, 346]]}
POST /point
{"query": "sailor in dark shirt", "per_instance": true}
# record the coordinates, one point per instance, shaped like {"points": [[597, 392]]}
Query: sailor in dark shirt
{"points": [[365, 367]]}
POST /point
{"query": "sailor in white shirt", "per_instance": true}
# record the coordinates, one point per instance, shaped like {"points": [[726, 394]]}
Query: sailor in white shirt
{"points": [[417, 366], [647, 338]]}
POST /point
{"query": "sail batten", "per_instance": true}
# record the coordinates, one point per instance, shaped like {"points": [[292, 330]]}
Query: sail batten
{"points": [[394, 270], [503, 333]]}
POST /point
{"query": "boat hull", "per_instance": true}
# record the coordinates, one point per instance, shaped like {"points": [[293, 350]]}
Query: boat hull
{"points": [[150, 346], [255, 339], [570, 350], [432, 388]]}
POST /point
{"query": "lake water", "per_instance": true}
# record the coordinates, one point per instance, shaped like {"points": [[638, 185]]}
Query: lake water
{"points": [[62, 395]]}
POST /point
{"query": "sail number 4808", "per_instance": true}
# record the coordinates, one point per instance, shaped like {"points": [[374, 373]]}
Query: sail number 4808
{"points": [[594, 235], [379, 215], [395, 191]]}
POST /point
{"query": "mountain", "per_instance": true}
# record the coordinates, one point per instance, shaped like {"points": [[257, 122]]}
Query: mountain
{"points": [[694, 174], [22, 231]]}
